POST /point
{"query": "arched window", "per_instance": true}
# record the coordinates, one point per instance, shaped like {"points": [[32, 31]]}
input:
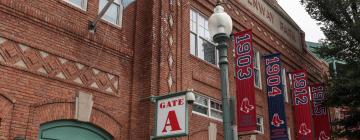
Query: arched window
{"points": [[72, 130]]}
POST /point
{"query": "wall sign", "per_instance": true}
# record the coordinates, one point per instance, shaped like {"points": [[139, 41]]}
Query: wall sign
{"points": [[171, 115], [274, 20]]}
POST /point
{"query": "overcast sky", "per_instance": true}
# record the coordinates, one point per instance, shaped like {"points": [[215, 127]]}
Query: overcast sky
{"points": [[302, 18]]}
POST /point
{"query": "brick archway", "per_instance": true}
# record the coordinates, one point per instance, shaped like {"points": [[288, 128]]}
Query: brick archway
{"points": [[64, 110]]}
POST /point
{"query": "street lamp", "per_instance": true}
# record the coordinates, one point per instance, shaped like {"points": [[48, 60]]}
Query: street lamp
{"points": [[220, 28]]}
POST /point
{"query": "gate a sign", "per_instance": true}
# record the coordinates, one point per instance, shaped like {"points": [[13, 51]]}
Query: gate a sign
{"points": [[171, 115]]}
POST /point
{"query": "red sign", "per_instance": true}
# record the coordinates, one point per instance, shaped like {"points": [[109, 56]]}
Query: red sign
{"points": [[245, 92], [301, 102], [320, 114]]}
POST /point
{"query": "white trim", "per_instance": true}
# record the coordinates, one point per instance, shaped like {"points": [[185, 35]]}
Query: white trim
{"points": [[202, 115], [198, 113], [261, 124], [257, 55], [289, 133], [284, 83]]}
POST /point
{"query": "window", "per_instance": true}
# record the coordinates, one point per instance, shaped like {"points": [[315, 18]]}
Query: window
{"points": [[257, 71], [207, 107], [114, 13], [284, 84], [215, 110], [289, 133], [127, 2], [200, 44], [260, 124], [82, 4]]}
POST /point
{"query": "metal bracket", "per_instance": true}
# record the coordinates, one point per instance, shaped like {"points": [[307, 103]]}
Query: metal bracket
{"points": [[92, 24]]}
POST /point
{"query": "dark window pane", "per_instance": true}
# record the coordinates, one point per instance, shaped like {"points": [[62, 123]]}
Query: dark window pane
{"points": [[257, 80], [201, 100], [200, 109], [216, 106], [209, 52], [216, 114]]}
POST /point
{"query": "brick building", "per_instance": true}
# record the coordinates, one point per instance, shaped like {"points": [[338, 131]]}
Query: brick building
{"points": [[57, 78]]}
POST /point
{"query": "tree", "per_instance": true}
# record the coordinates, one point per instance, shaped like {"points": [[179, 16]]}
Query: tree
{"points": [[341, 25]]}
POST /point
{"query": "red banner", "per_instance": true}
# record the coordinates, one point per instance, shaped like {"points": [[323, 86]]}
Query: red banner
{"points": [[320, 114], [245, 92], [301, 102]]}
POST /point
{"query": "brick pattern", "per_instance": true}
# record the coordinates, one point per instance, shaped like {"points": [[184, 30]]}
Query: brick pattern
{"points": [[6, 111], [171, 44], [149, 53], [26, 58]]}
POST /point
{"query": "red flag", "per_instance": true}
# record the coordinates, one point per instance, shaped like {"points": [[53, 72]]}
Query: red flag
{"points": [[301, 102], [245, 92], [320, 114]]}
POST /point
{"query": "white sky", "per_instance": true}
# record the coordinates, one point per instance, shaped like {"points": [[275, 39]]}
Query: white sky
{"points": [[303, 19]]}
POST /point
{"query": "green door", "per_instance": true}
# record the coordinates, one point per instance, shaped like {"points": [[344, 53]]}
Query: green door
{"points": [[71, 130]]}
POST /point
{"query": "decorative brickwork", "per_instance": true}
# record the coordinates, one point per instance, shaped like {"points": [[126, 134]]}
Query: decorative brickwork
{"points": [[171, 46], [26, 58], [47, 55]]}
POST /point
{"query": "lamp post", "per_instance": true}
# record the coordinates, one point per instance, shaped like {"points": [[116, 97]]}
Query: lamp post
{"points": [[220, 28]]}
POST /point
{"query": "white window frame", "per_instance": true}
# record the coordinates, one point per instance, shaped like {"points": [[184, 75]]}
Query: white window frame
{"points": [[290, 79], [120, 12], [198, 37], [257, 66], [83, 5], [284, 83], [261, 124], [309, 91], [209, 108], [289, 133]]}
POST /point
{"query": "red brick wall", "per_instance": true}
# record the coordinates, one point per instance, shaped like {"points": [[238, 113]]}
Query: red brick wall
{"points": [[56, 40], [128, 64]]}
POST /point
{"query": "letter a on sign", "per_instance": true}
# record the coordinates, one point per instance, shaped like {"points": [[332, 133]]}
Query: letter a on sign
{"points": [[172, 122]]}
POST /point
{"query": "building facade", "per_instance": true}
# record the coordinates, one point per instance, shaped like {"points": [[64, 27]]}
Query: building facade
{"points": [[58, 79]]}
